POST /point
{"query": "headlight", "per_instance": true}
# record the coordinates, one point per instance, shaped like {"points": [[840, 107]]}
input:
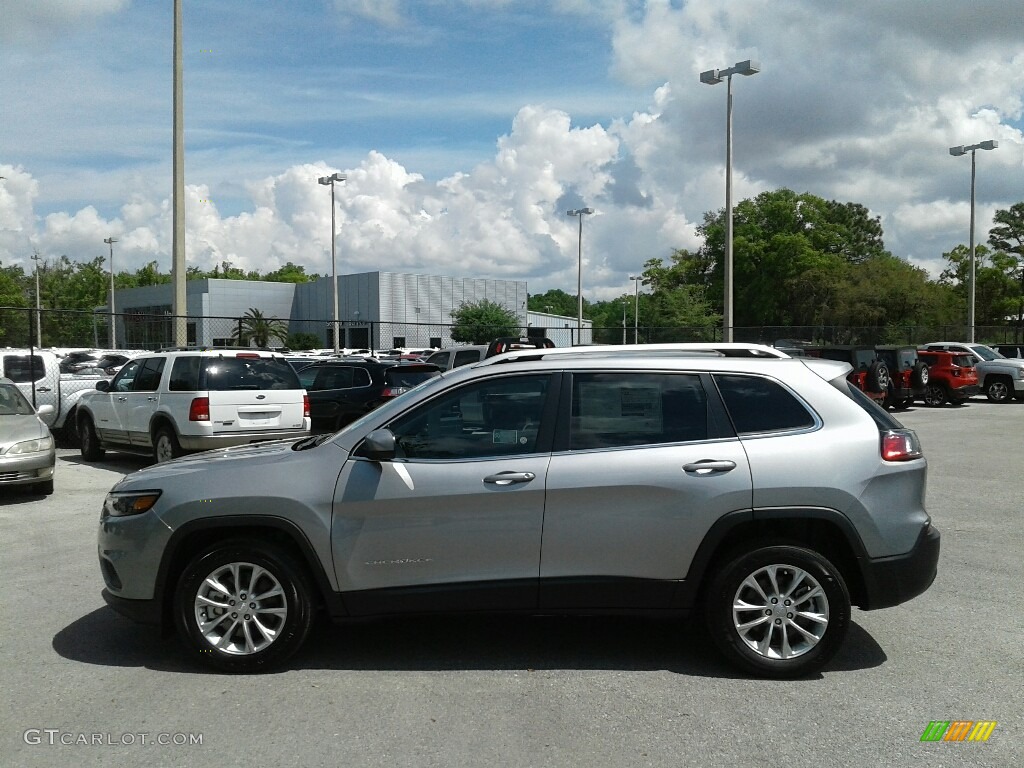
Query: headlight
{"points": [[127, 503], [31, 446]]}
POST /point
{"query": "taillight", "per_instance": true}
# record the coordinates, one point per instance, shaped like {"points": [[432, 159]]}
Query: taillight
{"points": [[393, 391], [305, 406], [900, 445], [954, 371], [199, 410]]}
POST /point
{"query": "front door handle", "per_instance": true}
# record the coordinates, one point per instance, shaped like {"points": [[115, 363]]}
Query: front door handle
{"points": [[709, 466], [121, 399], [43, 389], [507, 478]]}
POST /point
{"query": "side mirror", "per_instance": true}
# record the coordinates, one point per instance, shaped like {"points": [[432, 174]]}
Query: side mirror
{"points": [[103, 386], [379, 445], [45, 410]]}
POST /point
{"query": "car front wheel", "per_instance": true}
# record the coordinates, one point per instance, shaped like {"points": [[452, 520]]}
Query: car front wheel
{"points": [[778, 611], [243, 606], [998, 391]]}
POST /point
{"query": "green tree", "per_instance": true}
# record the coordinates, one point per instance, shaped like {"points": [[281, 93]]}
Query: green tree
{"points": [[482, 322], [289, 273], [1007, 236], [302, 341], [256, 329], [995, 288], [555, 302]]}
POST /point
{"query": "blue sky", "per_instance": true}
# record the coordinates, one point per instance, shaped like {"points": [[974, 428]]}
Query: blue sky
{"points": [[468, 127]]}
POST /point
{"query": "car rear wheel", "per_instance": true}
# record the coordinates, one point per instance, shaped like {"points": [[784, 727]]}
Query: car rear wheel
{"points": [[998, 389], [934, 395], [243, 606], [90, 444], [778, 611], [165, 445]]}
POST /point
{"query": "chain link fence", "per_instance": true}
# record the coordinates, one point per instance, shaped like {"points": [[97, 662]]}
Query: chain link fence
{"points": [[25, 327]]}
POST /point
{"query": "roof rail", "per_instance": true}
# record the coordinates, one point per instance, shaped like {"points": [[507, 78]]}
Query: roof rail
{"points": [[684, 349]]}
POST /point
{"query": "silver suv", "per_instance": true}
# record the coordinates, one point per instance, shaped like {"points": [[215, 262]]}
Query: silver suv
{"points": [[766, 494], [174, 402]]}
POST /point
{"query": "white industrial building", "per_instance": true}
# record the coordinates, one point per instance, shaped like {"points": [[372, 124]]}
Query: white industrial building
{"points": [[375, 310]]}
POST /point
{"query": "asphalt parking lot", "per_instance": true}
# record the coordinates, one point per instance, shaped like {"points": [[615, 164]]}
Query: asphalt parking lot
{"points": [[83, 686]]}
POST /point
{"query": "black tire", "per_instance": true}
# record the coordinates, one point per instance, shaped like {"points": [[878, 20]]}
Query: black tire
{"points": [[798, 574], [243, 645], [999, 389], [934, 395], [920, 376], [878, 377], [165, 445], [91, 448], [67, 436]]}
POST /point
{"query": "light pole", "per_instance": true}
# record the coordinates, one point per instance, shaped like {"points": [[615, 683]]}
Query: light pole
{"points": [[579, 213], [329, 180], [956, 152], [39, 315], [113, 322], [636, 307], [714, 77]]}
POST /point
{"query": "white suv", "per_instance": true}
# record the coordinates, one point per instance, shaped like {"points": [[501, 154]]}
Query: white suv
{"points": [[170, 403]]}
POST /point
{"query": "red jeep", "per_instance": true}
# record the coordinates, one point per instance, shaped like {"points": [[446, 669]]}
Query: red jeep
{"points": [[951, 376], [869, 374]]}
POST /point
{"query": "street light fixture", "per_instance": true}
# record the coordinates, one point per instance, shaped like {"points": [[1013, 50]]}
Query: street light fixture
{"points": [[636, 307], [714, 77], [329, 180], [957, 152], [113, 322], [39, 315], [579, 213]]}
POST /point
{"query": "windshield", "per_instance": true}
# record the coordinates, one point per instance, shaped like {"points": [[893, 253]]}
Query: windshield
{"points": [[13, 403], [986, 353]]}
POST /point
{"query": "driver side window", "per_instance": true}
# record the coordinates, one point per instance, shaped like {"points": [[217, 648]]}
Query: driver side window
{"points": [[125, 379], [495, 417]]}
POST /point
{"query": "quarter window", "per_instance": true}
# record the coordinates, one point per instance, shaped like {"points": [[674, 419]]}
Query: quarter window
{"points": [[611, 410], [757, 404]]}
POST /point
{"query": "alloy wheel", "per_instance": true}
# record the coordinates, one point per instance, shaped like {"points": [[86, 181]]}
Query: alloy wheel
{"points": [[240, 608], [780, 611]]}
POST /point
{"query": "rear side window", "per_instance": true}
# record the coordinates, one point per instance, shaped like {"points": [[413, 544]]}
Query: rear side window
{"points": [[883, 420], [333, 377], [757, 404], [19, 369], [612, 410], [404, 377], [466, 356], [964, 361], [184, 375], [220, 374]]}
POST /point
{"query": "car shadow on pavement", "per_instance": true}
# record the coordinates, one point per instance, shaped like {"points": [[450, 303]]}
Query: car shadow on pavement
{"points": [[450, 643], [122, 463]]}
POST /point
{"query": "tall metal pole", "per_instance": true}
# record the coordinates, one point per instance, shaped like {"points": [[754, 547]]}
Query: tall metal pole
{"points": [[727, 314], [178, 269], [636, 310], [39, 313], [113, 321], [970, 300], [579, 213], [334, 260]]}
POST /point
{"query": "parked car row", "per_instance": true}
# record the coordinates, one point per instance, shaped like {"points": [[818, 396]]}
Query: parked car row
{"points": [[936, 373]]}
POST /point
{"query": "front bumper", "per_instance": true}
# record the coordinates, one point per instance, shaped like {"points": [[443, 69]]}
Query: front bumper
{"points": [[139, 611], [27, 468], [889, 581]]}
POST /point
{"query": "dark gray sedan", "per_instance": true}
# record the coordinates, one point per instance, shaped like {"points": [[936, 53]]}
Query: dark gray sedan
{"points": [[27, 452]]}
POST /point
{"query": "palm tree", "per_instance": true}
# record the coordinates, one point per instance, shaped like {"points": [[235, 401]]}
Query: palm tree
{"points": [[256, 330]]}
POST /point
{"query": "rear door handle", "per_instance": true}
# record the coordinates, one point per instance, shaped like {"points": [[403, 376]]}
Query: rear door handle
{"points": [[709, 466], [43, 389], [507, 478]]}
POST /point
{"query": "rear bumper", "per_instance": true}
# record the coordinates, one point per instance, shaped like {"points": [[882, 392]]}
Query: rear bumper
{"points": [[889, 581], [962, 393], [209, 442]]}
